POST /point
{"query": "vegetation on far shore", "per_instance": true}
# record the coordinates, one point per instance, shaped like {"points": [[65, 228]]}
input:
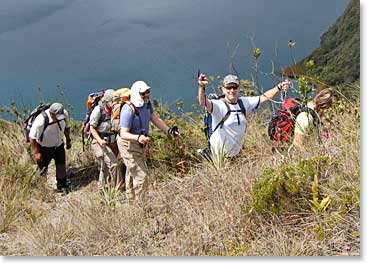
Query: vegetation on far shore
{"points": [[337, 60]]}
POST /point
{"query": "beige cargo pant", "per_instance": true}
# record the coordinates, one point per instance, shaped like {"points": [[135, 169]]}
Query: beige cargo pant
{"points": [[110, 173], [136, 168]]}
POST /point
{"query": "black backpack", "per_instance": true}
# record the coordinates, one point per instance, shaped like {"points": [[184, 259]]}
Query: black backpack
{"points": [[28, 122]]}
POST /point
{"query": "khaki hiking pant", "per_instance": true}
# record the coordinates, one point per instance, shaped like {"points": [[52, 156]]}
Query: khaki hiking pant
{"points": [[110, 173], [136, 168]]}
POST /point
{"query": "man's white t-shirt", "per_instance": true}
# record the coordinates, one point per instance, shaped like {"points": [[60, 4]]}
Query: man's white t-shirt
{"points": [[229, 139], [52, 136]]}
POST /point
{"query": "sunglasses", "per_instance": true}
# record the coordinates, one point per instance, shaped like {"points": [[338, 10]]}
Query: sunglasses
{"points": [[145, 93], [232, 87]]}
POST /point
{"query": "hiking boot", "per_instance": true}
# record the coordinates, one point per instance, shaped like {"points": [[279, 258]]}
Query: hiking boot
{"points": [[62, 191]]}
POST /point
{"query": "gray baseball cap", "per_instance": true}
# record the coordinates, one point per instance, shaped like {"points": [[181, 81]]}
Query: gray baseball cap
{"points": [[230, 79], [108, 95], [58, 109]]}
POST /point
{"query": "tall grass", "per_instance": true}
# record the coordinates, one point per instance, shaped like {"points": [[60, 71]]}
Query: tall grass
{"points": [[17, 179], [200, 210]]}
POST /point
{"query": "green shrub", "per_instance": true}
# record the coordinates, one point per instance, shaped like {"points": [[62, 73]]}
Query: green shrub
{"points": [[172, 154], [288, 187]]}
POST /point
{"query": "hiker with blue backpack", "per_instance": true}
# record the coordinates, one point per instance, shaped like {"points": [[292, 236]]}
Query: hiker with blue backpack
{"points": [[104, 143], [229, 113], [46, 138], [133, 137]]}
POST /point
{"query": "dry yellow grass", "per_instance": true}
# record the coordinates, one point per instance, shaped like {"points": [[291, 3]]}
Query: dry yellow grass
{"points": [[206, 212]]}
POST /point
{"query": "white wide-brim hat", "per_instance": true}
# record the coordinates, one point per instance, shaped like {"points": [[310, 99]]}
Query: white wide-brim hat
{"points": [[137, 88]]}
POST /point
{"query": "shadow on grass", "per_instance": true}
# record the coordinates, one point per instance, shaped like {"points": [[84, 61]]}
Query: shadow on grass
{"points": [[79, 178]]}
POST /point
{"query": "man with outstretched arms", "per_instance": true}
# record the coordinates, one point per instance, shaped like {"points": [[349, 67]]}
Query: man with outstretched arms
{"points": [[229, 113]]}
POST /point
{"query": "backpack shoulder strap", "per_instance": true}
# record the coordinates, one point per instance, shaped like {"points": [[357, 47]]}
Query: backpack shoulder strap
{"points": [[132, 107], [102, 111], [314, 114], [242, 107], [316, 118], [316, 121], [226, 116], [46, 123]]}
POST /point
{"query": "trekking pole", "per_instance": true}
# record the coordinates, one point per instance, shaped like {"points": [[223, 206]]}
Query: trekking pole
{"points": [[83, 142], [145, 149], [103, 168], [206, 115]]}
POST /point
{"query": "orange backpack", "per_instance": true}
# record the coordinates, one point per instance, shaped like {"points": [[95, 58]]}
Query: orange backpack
{"points": [[120, 97], [92, 102]]}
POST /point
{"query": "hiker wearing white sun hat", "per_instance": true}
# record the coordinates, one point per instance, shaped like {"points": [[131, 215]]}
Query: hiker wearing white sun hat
{"points": [[134, 137]]}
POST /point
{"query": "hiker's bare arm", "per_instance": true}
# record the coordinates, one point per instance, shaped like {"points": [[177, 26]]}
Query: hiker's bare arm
{"points": [[299, 142], [127, 136], [158, 122], [35, 149], [68, 139], [203, 81], [272, 93], [96, 136]]}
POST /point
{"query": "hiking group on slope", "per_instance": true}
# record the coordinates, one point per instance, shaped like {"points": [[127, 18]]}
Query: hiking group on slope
{"points": [[120, 146]]}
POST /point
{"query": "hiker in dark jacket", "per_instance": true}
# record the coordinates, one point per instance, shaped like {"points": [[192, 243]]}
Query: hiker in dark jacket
{"points": [[134, 137], [47, 144], [228, 134], [104, 143]]}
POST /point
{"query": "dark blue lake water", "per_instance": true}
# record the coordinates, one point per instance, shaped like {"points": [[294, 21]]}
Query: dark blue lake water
{"points": [[74, 47]]}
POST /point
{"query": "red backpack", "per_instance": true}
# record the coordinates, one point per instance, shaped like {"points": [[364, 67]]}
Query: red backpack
{"points": [[281, 125]]}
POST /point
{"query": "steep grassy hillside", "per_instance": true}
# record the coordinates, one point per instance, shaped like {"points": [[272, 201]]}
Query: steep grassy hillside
{"points": [[259, 204], [337, 60]]}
